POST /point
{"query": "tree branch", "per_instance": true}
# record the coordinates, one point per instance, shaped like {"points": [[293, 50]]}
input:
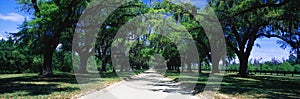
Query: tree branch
{"points": [[261, 6], [36, 8]]}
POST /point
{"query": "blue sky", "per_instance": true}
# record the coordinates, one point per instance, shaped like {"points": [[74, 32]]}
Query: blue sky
{"points": [[269, 49], [11, 17]]}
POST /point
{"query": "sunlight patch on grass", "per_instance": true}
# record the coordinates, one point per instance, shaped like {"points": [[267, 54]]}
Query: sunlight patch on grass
{"points": [[246, 79], [61, 85], [37, 83], [16, 75]]}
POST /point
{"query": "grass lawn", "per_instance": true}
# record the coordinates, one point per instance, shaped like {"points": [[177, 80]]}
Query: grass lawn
{"points": [[255, 86], [61, 85]]}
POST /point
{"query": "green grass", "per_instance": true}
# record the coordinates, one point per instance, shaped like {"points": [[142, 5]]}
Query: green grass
{"points": [[61, 85], [255, 86]]}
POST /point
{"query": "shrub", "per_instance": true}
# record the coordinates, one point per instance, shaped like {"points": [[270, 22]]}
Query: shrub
{"points": [[266, 67], [287, 67], [297, 67], [252, 67], [37, 63], [232, 67]]}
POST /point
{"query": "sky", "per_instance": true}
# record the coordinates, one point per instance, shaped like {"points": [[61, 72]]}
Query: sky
{"points": [[269, 49], [11, 17]]}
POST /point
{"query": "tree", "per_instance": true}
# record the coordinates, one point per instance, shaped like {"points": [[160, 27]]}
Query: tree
{"points": [[297, 68], [244, 21], [13, 59], [286, 28], [257, 62], [110, 27], [286, 67], [292, 59], [274, 61], [52, 18], [83, 45], [181, 14], [164, 46]]}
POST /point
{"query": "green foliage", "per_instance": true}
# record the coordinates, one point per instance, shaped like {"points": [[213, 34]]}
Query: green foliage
{"points": [[244, 21], [62, 61], [297, 68], [13, 57], [37, 63], [282, 67], [60, 18], [267, 67], [233, 67], [292, 59], [252, 67], [286, 67]]}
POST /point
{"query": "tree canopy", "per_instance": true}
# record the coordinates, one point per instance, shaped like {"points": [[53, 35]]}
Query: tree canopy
{"points": [[46, 42]]}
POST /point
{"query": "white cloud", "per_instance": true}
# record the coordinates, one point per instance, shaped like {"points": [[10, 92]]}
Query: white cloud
{"points": [[269, 49], [15, 17], [2, 37]]}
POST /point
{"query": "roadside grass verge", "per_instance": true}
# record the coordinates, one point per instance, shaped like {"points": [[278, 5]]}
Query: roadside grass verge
{"points": [[255, 86]]}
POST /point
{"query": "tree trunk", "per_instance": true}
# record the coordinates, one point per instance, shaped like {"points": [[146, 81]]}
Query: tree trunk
{"points": [[121, 68], [47, 64], [103, 69], [18, 68], [83, 63], [199, 68], [298, 57], [169, 66], [189, 68], [114, 70], [215, 68], [215, 65], [174, 67], [243, 66], [132, 68], [127, 68]]}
